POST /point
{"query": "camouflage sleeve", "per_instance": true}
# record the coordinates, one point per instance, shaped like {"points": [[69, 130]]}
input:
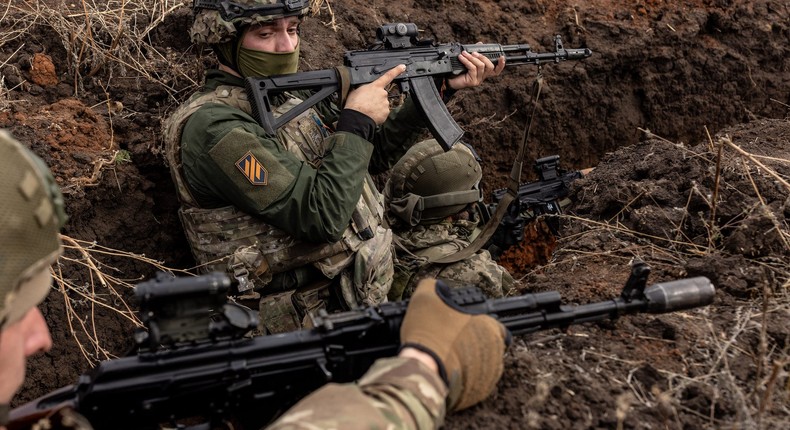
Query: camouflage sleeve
{"points": [[395, 393], [229, 159]]}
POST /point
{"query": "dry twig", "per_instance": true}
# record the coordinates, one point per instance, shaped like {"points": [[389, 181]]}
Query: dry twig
{"points": [[101, 287]]}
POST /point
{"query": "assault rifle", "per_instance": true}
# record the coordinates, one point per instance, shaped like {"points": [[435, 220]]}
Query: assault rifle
{"points": [[541, 197], [396, 44], [191, 366]]}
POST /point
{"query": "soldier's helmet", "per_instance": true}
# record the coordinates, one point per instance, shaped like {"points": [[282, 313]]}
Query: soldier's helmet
{"points": [[31, 214], [220, 21], [428, 184]]}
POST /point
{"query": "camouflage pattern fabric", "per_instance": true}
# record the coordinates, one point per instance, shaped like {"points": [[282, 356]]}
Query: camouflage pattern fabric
{"points": [[395, 393], [62, 419], [420, 245], [207, 139], [210, 28]]}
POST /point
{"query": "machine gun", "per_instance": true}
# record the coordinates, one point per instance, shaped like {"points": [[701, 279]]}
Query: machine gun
{"points": [[185, 369], [541, 197], [396, 44]]}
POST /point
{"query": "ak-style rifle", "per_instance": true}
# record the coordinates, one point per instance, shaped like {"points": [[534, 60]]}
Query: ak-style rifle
{"points": [[426, 63], [191, 367]]}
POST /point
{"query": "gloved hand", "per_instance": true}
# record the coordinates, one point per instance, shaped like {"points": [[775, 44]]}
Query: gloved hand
{"points": [[468, 348]]}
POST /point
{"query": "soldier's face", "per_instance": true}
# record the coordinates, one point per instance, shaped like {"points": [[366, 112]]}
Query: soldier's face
{"points": [[18, 341], [280, 36]]}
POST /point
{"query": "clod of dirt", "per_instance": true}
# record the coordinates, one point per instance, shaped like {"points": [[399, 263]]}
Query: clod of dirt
{"points": [[42, 71]]}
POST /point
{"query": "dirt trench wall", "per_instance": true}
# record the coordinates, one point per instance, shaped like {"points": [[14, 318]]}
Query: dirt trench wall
{"points": [[670, 67]]}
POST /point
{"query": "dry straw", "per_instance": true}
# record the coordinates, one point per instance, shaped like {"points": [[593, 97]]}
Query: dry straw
{"points": [[761, 401], [107, 39], [99, 287]]}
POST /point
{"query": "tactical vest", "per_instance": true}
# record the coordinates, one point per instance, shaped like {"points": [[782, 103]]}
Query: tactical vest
{"points": [[228, 239]]}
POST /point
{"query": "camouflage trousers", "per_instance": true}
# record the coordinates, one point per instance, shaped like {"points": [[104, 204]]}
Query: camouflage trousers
{"points": [[365, 282], [394, 393], [423, 244]]}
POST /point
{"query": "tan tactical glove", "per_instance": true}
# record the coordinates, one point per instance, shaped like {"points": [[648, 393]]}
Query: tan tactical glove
{"points": [[468, 348]]}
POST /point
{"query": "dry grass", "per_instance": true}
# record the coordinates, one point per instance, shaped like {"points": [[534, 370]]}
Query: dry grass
{"points": [[100, 287], [725, 349], [318, 7], [111, 40], [106, 40]]}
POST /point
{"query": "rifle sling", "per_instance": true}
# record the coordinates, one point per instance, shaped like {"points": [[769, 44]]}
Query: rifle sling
{"points": [[512, 189], [344, 81]]}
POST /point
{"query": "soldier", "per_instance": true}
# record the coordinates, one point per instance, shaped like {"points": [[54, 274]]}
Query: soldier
{"points": [[432, 199], [30, 217], [449, 359], [294, 217]]}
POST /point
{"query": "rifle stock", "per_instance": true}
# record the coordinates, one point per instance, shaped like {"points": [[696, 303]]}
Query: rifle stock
{"points": [[425, 62], [255, 379]]}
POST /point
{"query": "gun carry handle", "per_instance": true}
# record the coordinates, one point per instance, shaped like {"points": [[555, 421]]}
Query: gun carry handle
{"points": [[260, 91], [442, 125]]}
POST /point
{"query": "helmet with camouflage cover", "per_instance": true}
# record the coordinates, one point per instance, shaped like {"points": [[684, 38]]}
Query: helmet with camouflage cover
{"points": [[220, 21], [428, 184], [30, 217]]}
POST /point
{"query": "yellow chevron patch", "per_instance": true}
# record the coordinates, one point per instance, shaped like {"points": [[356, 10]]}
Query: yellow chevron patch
{"points": [[253, 170]]}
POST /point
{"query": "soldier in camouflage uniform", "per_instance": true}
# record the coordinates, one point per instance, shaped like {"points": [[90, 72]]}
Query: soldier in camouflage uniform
{"points": [[31, 215], [432, 201], [294, 217], [449, 359]]}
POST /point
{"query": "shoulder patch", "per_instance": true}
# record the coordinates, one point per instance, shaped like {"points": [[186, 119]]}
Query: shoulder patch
{"points": [[253, 170]]}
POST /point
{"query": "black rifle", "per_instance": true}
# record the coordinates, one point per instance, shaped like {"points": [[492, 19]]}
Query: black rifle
{"points": [[396, 44], [189, 366], [541, 197]]}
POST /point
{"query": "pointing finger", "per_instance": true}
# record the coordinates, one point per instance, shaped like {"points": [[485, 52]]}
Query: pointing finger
{"points": [[389, 76]]}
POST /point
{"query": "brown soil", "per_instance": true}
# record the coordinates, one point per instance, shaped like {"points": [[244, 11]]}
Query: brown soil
{"points": [[664, 76]]}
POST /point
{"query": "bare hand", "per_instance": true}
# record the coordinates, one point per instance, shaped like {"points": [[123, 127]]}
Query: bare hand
{"points": [[478, 68], [372, 99]]}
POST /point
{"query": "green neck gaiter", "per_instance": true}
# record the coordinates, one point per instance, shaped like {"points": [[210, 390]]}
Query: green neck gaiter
{"points": [[254, 63]]}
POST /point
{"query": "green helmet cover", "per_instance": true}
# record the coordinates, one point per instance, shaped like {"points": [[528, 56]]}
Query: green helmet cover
{"points": [[220, 21], [30, 218], [428, 184]]}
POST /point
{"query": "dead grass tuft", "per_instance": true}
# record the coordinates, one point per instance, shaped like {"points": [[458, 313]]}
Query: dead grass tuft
{"points": [[108, 39], [727, 348], [96, 286]]}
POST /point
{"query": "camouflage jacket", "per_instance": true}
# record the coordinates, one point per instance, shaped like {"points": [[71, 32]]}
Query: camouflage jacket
{"points": [[275, 210], [311, 201]]}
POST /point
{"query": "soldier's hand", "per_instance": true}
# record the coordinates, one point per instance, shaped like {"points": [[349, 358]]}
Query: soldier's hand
{"points": [[468, 348], [478, 69], [372, 99]]}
